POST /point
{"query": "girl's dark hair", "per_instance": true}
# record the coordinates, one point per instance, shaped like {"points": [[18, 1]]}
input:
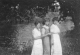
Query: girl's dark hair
{"points": [[45, 20], [36, 22], [55, 19]]}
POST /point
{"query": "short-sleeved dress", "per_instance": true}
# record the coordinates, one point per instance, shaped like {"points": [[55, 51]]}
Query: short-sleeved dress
{"points": [[37, 46], [56, 48]]}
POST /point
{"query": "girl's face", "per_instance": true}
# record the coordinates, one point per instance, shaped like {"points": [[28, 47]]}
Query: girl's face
{"points": [[38, 25], [55, 22], [46, 23]]}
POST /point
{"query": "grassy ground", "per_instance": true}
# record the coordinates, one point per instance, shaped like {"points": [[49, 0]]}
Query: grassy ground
{"points": [[70, 47]]}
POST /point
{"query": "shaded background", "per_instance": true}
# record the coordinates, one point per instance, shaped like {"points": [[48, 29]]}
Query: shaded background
{"points": [[10, 22]]}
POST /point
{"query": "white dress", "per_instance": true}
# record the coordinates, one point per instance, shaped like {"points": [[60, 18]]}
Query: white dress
{"points": [[37, 46], [56, 48]]}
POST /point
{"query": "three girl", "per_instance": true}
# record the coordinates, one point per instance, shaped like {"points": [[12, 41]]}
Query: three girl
{"points": [[43, 44]]}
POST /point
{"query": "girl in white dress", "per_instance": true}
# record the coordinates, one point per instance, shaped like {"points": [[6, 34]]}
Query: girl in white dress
{"points": [[37, 46], [56, 48]]}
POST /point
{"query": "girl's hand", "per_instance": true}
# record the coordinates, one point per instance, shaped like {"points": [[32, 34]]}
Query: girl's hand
{"points": [[52, 33], [49, 33]]}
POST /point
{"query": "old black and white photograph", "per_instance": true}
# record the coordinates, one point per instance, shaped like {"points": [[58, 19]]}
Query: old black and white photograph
{"points": [[39, 27]]}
